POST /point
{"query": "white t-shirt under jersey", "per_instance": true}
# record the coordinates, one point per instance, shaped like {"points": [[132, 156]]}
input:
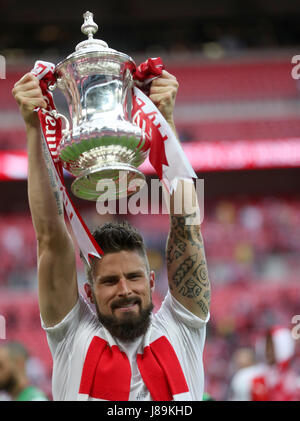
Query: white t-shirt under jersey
{"points": [[69, 341]]}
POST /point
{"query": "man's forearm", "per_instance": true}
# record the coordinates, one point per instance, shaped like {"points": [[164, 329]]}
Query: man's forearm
{"points": [[44, 199], [183, 201]]}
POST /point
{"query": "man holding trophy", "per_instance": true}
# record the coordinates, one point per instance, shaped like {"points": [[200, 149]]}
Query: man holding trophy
{"points": [[122, 351]]}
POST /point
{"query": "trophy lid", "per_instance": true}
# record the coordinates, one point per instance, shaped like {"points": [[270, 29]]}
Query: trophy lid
{"points": [[93, 51], [89, 28]]}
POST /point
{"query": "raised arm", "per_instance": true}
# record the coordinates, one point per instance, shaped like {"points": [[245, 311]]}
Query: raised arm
{"points": [[58, 291], [186, 262]]}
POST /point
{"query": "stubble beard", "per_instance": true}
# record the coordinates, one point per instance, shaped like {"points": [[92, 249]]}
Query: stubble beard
{"points": [[8, 385]]}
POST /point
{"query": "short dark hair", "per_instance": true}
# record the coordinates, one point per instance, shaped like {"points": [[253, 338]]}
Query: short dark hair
{"points": [[114, 237]]}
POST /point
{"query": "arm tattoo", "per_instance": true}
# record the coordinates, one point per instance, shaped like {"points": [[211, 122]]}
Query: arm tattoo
{"points": [[203, 307], [190, 289], [176, 249], [183, 269], [187, 269]]}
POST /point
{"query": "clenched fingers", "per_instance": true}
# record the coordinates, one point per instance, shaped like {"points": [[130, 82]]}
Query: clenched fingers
{"points": [[28, 93], [26, 78]]}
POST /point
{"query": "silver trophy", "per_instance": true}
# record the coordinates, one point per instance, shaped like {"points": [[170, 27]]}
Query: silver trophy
{"points": [[101, 142]]}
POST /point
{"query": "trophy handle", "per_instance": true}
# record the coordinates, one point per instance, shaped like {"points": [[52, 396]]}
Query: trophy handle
{"points": [[52, 87], [57, 115]]}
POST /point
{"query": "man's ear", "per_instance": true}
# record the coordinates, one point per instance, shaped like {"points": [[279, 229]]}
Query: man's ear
{"points": [[89, 292], [152, 280]]}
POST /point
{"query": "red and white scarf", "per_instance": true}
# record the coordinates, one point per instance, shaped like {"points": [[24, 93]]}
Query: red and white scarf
{"points": [[166, 154], [106, 373]]}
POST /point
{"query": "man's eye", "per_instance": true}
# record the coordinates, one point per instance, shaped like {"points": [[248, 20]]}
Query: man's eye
{"points": [[135, 277], [110, 281]]}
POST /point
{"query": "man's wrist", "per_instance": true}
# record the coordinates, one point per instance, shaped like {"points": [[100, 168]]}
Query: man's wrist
{"points": [[171, 123], [32, 126], [170, 120]]}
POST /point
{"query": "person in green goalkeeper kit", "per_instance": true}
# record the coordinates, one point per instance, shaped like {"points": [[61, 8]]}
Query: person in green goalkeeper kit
{"points": [[13, 377]]}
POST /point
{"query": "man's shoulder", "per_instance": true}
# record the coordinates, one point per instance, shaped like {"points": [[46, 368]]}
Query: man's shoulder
{"points": [[80, 320], [172, 310]]}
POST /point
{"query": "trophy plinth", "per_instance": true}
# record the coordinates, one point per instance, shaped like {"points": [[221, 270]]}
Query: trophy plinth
{"points": [[102, 139]]}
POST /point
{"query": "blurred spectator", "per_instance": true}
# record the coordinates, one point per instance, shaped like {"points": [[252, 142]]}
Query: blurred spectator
{"points": [[272, 379], [207, 397], [13, 375], [243, 357]]}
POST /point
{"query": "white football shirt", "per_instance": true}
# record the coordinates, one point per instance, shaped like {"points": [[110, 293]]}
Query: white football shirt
{"points": [[69, 341]]}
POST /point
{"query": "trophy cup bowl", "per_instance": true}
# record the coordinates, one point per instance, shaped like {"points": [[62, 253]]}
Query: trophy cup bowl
{"points": [[101, 142]]}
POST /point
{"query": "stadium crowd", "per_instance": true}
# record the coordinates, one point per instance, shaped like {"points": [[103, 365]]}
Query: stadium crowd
{"points": [[251, 248]]}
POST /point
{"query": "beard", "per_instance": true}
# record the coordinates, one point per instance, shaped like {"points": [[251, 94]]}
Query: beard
{"points": [[129, 327], [9, 384]]}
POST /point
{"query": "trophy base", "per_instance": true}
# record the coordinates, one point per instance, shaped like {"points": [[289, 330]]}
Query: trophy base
{"points": [[109, 182]]}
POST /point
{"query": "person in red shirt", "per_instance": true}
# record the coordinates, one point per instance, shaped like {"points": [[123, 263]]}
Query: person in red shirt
{"points": [[278, 382], [273, 379]]}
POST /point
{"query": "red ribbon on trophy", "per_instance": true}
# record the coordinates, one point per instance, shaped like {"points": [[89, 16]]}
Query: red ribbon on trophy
{"points": [[165, 152], [52, 134]]}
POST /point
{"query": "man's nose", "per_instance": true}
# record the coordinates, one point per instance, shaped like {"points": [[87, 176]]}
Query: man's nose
{"points": [[123, 287]]}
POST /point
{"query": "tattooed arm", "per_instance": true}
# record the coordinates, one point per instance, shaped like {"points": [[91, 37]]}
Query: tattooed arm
{"points": [[187, 271], [186, 262]]}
